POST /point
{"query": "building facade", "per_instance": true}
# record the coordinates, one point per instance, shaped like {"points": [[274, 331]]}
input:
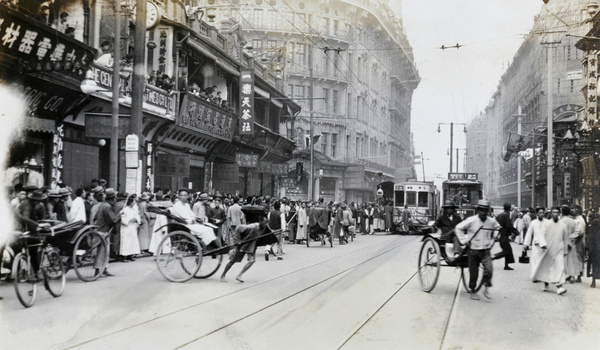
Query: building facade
{"points": [[350, 67], [544, 80], [191, 100]]}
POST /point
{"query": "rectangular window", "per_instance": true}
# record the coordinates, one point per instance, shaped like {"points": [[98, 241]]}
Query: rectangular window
{"points": [[399, 198], [558, 87], [324, 142], [411, 199], [336, 27], [290, 90], [334, 141], [257, 45], [349, 106], [271, 44], [357, 146], [335, 101], [299, 91], [258, 18], [271, 21], [423, 199], [300, 54], [325, 101]]}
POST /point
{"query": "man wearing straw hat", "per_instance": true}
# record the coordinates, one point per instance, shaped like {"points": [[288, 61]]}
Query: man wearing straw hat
{"points": [[477, 232]]}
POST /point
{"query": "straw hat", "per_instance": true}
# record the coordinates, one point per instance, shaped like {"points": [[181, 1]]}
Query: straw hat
{"points": [[37, 196]]}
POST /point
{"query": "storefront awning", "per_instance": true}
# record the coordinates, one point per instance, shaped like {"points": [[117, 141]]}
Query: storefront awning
{"points": [[39, 124]]}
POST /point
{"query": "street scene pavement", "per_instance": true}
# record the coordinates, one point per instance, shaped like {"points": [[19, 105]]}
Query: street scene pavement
{"points": [[362, 295]]}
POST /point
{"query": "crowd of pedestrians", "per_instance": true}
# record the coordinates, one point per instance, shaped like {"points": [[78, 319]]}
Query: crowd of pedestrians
{"points": [[561, 241], [133, 231]]}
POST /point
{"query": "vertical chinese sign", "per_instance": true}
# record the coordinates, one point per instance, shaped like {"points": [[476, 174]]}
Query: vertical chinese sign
{"points": [[247, 102], [57, 155]]}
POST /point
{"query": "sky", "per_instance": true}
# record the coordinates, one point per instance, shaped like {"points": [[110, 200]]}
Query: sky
{"points": [[457, 84]]}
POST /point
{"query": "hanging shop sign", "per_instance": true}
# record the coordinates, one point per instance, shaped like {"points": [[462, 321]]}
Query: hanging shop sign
{"points": [[246, 160], [226, 173], [99, 125], [173, 165], [153, 96], [264, 167], [247, 102], [34, 43], [204, 117], [280, 169]]}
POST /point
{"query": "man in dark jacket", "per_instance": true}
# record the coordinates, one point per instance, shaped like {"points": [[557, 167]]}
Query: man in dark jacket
{"points": [[318, 217], [106, 219], [446, 223], [506, 230]]}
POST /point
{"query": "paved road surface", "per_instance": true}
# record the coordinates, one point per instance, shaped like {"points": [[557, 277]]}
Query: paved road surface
{"points": [[362, 295]]}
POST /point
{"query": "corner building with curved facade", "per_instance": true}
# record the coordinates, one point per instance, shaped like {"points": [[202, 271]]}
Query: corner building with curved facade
{"points": [[360, 88]]}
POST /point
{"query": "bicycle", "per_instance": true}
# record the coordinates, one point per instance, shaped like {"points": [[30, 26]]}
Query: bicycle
{"points": [[26, 274]]}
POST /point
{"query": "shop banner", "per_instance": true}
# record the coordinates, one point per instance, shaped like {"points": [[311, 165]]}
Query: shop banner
{"points": [[226, 173], [246, 160], [264, 167], [33, 42], [280, 169], [99, 125], [247, 102], [173, 165], [205, 117]]}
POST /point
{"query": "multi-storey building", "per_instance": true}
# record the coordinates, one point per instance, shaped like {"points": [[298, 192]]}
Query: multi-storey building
{"points": [[51, 54], [351, 68], [526, 84]]}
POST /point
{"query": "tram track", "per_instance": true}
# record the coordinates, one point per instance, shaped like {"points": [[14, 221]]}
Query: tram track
{"points": [[255, 285]]}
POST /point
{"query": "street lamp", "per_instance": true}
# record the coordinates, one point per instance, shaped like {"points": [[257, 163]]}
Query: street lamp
{"points": [[452, 136]]}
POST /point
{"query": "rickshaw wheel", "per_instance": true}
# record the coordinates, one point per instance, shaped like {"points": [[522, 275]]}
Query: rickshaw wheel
{"points": [[465, 275], [53, 271], [210, 264], [179, 256], [90, 256], [429, 264]]}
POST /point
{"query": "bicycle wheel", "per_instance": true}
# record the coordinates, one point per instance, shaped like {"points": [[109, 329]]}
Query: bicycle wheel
{"points": [[429, 264], [25, 280], [53, 271], [210, 265], [465, 276], [178, 256], [89, 256]]}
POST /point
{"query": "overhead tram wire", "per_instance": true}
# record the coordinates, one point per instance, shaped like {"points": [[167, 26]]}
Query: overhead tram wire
{"points": [[328, 46], [308, 37]]}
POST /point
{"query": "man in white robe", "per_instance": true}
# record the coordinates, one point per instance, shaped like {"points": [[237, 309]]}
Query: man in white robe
{"points": [[578, 244], [553, 242], [181, 209], [532, 235]]}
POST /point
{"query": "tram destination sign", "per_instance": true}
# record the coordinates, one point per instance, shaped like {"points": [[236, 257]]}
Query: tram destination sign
{"points": [[462, 176]]}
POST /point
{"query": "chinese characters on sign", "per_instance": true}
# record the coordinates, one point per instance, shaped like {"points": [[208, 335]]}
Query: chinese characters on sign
{"points": [[246, 160], [264, 167], [57, 155], [34, 42], [462, 176], [280, 169], [201, 116], [226, 172], [173, 165], [247, 102]]}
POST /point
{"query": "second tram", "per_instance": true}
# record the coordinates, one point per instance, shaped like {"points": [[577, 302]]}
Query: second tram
{"points": [[464, 189]]}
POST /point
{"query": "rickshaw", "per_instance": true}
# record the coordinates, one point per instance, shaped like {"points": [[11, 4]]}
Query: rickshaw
{"points": [[433, 253], [80, 246], [181, 256]]}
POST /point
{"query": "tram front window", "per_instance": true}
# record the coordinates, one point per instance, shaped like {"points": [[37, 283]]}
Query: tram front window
{"points": [[399, 200], [423, 199], [411, 198]]}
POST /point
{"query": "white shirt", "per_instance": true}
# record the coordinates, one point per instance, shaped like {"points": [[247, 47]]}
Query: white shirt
{"points": [[471, 225], [183, 211], [77, 212]]}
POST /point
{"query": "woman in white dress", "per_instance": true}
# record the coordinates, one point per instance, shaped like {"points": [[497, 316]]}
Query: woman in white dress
{"points": [[302, 222], [130, 220]]}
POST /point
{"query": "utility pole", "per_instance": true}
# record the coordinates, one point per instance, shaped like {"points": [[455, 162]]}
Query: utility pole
{"points": [[423, 165], [550, 131], [457, 159], [311, 184], [451, 139], [519, 160], [138, 79], [113, 170]]}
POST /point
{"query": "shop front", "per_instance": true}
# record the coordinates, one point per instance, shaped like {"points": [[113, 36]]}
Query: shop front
{"points": [[44, 67]]}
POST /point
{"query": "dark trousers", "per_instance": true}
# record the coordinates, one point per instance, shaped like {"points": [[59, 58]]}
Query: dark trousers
{"points": [[484, 258], [507, 252]]}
